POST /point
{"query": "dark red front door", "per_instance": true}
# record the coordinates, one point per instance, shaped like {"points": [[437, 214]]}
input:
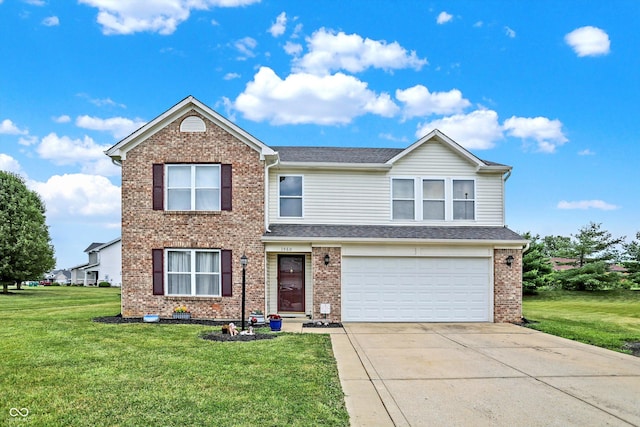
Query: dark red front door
{"points": [[291, 283]]}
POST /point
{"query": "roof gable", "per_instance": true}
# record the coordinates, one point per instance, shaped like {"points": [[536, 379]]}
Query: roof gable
{"points": [[119, 150]]}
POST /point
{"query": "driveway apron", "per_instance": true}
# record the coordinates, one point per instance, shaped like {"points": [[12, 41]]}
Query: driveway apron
{"points": [[481, 374]]}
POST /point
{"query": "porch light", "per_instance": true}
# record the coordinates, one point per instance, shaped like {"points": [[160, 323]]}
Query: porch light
{"points": [[326, 259], [243, 262], [509, 260]]}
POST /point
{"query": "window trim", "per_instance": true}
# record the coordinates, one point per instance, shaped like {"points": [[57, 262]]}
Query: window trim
{"points": [[415, 208], [192, 187], [444, 199], [192, 272], [301, 197], [474, 200]]}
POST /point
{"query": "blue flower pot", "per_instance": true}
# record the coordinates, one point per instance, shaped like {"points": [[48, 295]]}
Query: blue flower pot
{"points": [[275, 324]]}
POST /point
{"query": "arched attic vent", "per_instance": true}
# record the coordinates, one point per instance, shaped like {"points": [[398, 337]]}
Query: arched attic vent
{"points": [[193, 124]]}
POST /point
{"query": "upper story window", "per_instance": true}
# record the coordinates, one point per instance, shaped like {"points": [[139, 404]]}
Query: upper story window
{"points": [[193, 187], [463, 199], [403, 198], [290, 195], [442, 199], [433, 199], [193, 272]]}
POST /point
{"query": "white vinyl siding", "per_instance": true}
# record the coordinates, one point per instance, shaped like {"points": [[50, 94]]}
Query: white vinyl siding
{"points": [[364, 197]]}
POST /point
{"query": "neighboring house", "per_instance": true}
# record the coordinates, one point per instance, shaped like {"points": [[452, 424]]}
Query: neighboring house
{"points": [[105, 265], [62, 277], [365, 234]]}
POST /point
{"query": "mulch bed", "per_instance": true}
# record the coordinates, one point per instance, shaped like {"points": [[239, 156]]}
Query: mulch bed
{"points": [[634, 347], [219, 336], [321, 325], [120, 319]]}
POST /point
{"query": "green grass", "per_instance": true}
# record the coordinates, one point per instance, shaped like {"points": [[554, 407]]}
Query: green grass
{"points": [[606, 319], [69, 371]]}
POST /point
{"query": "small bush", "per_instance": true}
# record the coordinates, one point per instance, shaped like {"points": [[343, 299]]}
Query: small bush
{"points": [[104, 285]]}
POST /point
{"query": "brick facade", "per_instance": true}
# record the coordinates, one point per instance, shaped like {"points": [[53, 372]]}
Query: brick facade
{"points": [[238, 230], [507, 287], [327, 282]]}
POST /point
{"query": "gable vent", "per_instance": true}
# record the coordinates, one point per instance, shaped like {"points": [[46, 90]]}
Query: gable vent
{"points": [[193, 124]]}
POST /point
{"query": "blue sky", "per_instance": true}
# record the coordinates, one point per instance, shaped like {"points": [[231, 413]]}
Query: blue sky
{"points": [[548, 87]]}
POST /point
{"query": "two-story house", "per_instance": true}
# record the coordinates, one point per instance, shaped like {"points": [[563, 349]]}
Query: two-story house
{"points": [[350, 234]]}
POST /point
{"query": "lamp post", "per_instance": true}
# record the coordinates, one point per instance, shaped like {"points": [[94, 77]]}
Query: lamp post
{"points": [[243, 262]]}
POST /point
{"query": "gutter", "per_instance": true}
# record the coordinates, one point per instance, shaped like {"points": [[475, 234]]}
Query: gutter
{"points": [[266, 191]]}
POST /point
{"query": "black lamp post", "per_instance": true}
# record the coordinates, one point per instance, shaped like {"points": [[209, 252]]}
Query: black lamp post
{"points": [[243, 262]]}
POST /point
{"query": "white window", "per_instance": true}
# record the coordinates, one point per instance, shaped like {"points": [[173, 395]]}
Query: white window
{"points": [[463, 199], [433, 199], [403, 198], [193, 187], [193, 272], [290, 193]]}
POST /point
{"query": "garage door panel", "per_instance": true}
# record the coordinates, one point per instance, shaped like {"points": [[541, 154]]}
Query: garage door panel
{"points": [[416, 289]]}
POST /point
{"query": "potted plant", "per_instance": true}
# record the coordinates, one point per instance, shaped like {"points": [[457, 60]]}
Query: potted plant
{"points": [[181, 312], [256, 318], [275, 322]]}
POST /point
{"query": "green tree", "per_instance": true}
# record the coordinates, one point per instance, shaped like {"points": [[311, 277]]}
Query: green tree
{"points": [[632, 259], [592, 244], [25, 246], [536, 267], [557, 246], [591, 277]]}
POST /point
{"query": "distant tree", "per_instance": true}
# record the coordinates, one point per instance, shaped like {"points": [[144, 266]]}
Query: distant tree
{"points": [[536, 267], [591, 277], [557, 246], [632, 259], [25, 246], [592, 244]]}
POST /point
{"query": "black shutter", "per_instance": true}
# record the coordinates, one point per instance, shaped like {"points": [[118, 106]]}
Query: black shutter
{"points": [[158, 187], [225, 188], [227, 276], [158, 271]]}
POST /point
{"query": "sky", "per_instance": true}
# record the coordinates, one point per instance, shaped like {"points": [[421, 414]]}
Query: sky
{"points": [[550, 88]]}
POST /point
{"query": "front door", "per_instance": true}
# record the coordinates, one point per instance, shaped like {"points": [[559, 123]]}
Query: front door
{"points": [[291, 283]]}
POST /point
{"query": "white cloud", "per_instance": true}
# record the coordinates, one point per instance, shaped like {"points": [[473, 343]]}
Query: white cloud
{"points": [[246, 46], [231, 76], [278, 27], [79, 195], [293, 49], [118, 126], [392, 138], [35, 2], [62, 119], [330, 51], [547, 133], [9, 164], [419, 102], [307, 98], [509, 32], [101, 102], [587, 204], [51, 21], [7, 127], [156, 16], [588, 41], [27, 140], [443, 18], [62, 150], [586, 152], [477, 130]]}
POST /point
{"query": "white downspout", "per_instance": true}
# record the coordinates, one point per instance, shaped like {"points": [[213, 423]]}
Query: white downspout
{"points": [[266, 228]]}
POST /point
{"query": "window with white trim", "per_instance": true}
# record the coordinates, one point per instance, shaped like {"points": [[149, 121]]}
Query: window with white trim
{"points": [[290, 194], [194, 272], [464, 199], [193, 188], [403, 198], [433, 199]]}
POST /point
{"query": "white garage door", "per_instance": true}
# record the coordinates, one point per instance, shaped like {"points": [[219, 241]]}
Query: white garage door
{"points": [[387, 289]]}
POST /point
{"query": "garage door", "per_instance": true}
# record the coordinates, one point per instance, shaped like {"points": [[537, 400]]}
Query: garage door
{"points": [[386, 289]]}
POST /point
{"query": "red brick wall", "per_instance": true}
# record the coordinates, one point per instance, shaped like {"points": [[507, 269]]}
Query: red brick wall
{"points": [[144, 229], [327, 282], [507, 302]]}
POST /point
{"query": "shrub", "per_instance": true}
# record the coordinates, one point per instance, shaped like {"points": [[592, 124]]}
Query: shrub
{"points": [[104, 285]]}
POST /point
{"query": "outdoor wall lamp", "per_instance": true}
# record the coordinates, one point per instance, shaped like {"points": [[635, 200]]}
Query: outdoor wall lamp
{"points": [[326, 259], [509, 260], [243, 262]]}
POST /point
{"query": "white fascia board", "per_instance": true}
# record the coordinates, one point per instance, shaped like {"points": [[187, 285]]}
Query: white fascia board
{"points": [[503, 244], [336, 166], [119, 151]]}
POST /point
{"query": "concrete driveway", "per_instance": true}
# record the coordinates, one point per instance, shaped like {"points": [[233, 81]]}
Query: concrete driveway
{"points": [[481, 374]]}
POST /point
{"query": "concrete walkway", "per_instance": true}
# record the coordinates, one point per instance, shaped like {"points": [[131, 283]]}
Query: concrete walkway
{"points": [[479, 374]]}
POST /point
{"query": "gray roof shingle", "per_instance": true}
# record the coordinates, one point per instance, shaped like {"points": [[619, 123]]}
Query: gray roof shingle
{"points": [[392, 232]]}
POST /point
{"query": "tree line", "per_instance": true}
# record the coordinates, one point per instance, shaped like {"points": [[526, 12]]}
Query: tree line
{"points": [[588, 257]]}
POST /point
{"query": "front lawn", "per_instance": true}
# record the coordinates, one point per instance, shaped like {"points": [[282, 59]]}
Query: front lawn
{"points": [[70, 371], [608, 319]]}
